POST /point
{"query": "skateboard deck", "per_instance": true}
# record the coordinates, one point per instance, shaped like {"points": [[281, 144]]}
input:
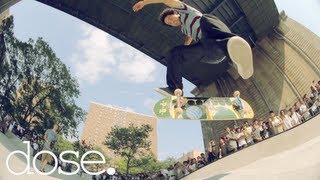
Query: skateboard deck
{"points": [[195, 108]]}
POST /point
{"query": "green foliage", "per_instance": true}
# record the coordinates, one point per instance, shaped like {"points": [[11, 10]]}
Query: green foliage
{"points": [[96, 157], [130, 143], [121, 166], [145, 164], [168, 162], [35, 86], [82, 147], [64, 145], [9, 70]]}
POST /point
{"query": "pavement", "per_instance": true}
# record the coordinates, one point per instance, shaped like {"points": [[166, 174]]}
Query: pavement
{"points": [[300, 163], [10, 143]]}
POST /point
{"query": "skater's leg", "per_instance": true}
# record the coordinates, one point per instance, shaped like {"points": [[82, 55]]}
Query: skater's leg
{"points": [[177, 57], [235, 47]]}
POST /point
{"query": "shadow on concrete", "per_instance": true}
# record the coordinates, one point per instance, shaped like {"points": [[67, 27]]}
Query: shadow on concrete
{"points": [[217, 177]]}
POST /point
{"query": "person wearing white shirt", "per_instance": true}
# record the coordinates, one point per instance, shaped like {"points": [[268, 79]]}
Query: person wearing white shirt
{"points": [[276, 123], [241, 139], [11, 125], [287, 120], [193, 164], [35, 147], [247, 130], [296, 117]]}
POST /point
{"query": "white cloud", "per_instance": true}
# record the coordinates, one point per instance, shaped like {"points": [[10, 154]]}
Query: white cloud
{"points": [[99, 55], [138, 70]]}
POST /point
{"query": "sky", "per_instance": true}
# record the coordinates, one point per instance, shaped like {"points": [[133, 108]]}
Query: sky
{"points": [[112, 72]]}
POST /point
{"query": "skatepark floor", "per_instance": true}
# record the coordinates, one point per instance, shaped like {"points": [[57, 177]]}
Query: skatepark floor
{"points": [[300, 163], [18, 163]]}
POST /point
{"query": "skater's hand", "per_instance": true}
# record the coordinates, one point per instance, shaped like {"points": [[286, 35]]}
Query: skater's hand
{"points": [[138, 6], [188, 40]]}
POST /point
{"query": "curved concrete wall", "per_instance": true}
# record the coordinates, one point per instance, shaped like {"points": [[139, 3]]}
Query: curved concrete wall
{"points": [[277, 144]]}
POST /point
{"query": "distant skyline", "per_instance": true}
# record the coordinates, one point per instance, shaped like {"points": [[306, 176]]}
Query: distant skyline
{"points": [[112, 72]]}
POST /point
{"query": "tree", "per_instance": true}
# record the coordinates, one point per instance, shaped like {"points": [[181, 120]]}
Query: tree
{"points": [[35, 86], [152, 165], [96, 157], [129, 143], [146, 164], [64, 145], [9, 70], [83, 147]]}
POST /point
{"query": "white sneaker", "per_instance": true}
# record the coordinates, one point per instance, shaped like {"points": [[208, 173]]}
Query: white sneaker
{"points": [[241, 55]]}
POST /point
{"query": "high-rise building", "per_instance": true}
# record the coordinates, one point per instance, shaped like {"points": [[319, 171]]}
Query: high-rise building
{"points": [[101, 118]]}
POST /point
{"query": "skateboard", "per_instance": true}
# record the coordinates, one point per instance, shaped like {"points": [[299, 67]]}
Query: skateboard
{"points": [[198, 108]]}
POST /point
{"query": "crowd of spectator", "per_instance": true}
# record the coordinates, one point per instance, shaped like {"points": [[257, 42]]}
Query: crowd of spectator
{"points": [[119, 176], [23, 133]]}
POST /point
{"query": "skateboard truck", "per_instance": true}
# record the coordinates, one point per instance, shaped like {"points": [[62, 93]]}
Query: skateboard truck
{"points": [[178, 110]]}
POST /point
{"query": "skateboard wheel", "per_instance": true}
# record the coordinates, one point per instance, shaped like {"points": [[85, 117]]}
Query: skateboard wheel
{"points": [[178, 110], [178, 92]]}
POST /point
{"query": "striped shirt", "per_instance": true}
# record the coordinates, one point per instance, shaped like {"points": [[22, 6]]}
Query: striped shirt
{"points": [[190, 21]]}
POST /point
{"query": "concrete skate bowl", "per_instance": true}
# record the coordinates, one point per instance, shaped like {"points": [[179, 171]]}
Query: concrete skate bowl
{"points": [[293, 154]]}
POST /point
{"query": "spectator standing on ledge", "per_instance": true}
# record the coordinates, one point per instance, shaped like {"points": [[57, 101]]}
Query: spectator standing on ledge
{"points": [[247, 130], [296, 117], [256, 133], [204, 159], [276, 123], [223, 151], [241, 138], [212, 151], [287, 120], [231, 140], [50, 137], [11, 126], [35, 147]]}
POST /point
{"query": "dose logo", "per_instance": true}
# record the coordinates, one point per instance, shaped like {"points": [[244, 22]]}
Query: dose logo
{"points": [[110, 171]]}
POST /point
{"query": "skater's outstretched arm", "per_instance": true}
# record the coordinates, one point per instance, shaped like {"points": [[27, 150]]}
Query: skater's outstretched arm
{"points": [[171, 3]]}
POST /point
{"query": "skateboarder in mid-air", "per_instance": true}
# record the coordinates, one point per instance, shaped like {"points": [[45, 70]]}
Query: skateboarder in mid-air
{"points": [[208, 32]]}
